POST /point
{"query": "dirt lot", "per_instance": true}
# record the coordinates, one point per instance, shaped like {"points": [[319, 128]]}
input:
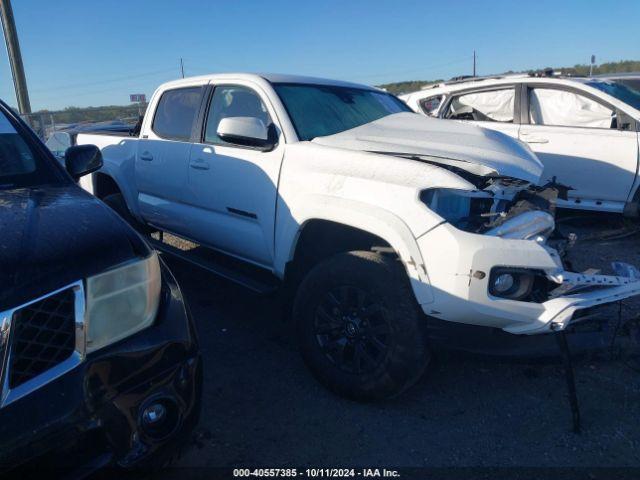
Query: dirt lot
{"points": [[263, 408]]}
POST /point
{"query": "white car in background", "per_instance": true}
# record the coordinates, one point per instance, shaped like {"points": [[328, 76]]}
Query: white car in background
{"points": [[584, 130]]}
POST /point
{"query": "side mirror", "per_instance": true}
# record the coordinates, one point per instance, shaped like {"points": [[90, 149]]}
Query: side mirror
{"points": [[247, 131], [82, 160]]}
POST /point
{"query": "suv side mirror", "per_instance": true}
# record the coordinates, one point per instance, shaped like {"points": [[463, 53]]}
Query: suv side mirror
{"points": [[81, 160], [247, 131]]}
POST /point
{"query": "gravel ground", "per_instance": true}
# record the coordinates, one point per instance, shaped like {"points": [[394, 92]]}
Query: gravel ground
{"points": [[261, 407]]}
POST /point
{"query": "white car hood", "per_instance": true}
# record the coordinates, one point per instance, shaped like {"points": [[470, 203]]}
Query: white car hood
{"points": [[477, 150]]}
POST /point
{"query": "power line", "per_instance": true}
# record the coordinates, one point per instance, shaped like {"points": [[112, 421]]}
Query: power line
{"points": [[102, 82]]}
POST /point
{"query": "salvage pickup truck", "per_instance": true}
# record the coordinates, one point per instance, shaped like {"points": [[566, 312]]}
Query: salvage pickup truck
{"points": [[381, 220]]}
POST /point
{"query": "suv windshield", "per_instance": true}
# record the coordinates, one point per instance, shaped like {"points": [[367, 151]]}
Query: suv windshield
{"points": [[320, 110], [618, 90], [20, 164]]}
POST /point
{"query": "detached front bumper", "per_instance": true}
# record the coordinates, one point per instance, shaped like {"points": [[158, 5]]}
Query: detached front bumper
{"points": [[458, 265], [93, 415]]}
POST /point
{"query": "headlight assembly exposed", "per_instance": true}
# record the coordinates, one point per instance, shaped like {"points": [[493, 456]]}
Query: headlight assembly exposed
{"points": [[122, 301], [533, 225], [455, 205]]}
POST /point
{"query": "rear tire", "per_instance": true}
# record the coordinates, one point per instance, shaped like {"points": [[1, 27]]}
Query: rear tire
{"points": [[359, 327], [118, 204]]}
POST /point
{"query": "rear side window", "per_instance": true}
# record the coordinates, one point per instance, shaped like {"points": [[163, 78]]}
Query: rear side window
{"points": [[176, 112], [487, 106], [548, 106]]}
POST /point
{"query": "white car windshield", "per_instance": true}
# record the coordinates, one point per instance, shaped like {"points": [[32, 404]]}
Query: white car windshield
{"points": [[320, 110], [618, 90]]}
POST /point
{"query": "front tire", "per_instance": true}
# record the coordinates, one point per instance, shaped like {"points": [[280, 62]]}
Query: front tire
{"points": [[359, 327]]}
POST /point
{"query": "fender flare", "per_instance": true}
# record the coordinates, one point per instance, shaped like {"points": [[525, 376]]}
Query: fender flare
{"points": [[360, 215]]}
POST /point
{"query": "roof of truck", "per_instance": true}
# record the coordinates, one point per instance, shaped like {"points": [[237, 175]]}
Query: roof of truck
{"points": [[273, 78]]}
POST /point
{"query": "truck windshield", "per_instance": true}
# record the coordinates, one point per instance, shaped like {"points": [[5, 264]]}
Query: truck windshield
{"points": [[20, 164], [320, 110], [617, 90]]}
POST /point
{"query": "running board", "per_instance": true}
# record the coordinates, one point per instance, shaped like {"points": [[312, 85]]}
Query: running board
{"points": [[253, 278]]}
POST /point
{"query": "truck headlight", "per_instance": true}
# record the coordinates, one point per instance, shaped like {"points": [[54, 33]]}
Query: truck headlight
{"points": [[122, 301], [456, 205]]}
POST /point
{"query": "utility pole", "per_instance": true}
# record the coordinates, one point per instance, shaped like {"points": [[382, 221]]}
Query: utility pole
{"points": [[474, 63], [182, 67], [15, 57]]}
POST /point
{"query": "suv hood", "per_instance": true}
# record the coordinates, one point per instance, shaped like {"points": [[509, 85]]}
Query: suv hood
{"points": [[477, 150], [53, 236]]}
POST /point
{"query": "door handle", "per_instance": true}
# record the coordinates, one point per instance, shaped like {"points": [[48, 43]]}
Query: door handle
{"points": [[146, 156], [199, 164]]}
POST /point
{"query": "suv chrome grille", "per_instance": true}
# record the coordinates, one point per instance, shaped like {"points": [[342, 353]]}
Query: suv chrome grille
{"points": [[43, 335]]}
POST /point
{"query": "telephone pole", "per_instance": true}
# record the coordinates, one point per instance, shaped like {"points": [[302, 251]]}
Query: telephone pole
{"points": [[474, 63], [15, 57], [182, 67]]}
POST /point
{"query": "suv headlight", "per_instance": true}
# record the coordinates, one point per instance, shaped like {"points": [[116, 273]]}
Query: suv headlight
{"points": [[121, 302]]}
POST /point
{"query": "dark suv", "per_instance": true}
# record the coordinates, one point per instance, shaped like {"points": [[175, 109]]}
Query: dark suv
{"points": [[99, 362]]}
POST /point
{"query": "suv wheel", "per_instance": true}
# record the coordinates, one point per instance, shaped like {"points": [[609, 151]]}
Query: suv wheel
{"points": [[359, 328]]}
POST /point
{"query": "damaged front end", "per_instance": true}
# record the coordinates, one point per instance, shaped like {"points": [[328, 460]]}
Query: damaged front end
{"points": [[503, 207], [543, 298]]}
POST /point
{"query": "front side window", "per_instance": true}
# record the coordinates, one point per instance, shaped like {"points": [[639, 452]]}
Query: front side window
{"points": [[321, 110], [20, 164], [486, 106], [176, 112], [549, 106], [233, 101], [430, 105]]}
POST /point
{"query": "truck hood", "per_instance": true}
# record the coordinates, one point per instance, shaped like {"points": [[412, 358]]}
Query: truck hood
{"points": [[477, 150], [53, 236]]}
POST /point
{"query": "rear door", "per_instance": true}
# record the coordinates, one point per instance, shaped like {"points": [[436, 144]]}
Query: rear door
{"points": [[577, 138], [493, 108], [162, 160], [232, 189]]}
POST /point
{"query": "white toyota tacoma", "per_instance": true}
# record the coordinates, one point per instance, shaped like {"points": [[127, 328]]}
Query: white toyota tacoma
{"points": [[379, 219]]}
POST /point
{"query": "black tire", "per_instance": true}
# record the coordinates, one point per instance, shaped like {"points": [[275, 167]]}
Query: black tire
{"points": [[369, 293], [118, 204]]}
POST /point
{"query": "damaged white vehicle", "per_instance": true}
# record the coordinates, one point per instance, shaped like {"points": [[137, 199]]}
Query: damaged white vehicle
{"points": [[379, 220]]}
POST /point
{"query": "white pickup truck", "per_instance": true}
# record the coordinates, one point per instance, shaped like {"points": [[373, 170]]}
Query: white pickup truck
{"points": [[380, 219]]}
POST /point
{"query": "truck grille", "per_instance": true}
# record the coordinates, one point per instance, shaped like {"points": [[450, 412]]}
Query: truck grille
{"points": [[43, 336]]}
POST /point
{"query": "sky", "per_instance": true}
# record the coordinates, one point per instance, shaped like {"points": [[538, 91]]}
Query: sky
{"points": [[97, 52]]}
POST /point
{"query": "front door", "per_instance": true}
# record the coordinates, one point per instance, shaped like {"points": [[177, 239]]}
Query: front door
{"points": [[577, 140], [232, 189]]}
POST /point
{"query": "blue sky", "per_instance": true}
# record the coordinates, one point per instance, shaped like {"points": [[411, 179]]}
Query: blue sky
{"points": [[94, 52]]}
